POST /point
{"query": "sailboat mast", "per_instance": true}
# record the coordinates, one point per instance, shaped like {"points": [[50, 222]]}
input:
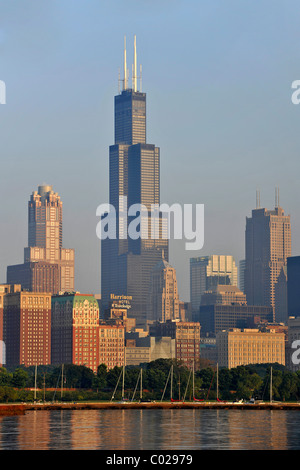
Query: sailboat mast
{"points": [[123, 382], [193, 379], [62, 380], [217, 381], [271, 386], [171, 393], [35, 374], [141, 389]]}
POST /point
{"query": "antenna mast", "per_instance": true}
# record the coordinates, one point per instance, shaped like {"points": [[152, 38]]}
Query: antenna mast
{"points": [[125, 65], [134, 78]]}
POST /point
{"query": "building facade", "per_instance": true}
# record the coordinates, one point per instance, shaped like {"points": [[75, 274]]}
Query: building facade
{"points": [[134, 177], [111, 345], [293, 286], [163, 303], [214, 318], [268, 245], [75, 330], [4, 289], [207, 272], [239, 347], [187, 339], [27, 328], [223, 295], [47, 267]]}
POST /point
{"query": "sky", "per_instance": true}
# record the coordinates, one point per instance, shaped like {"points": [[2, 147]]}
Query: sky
{"points": [[218, 81]]}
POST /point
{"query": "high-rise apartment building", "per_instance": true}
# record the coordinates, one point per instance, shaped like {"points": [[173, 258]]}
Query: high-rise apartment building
{"points": [[163, 301], [75, 330], [134, 178], [4, 289], [27, 327], [207, 272], [268, 245], [47, 267]]}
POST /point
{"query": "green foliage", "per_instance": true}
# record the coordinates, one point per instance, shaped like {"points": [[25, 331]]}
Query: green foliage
{"points": [[242, 382]]}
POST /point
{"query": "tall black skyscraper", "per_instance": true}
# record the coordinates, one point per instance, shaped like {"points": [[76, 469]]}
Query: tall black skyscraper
{"points": [[134, 178]]}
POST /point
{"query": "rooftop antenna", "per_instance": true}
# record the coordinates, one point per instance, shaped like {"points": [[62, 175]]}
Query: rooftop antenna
{"points": [[276, 197], [125, 66], [257, 199], [134, 75], [140, 78]]}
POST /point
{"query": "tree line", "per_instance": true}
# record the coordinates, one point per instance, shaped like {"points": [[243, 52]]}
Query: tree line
{"points": [[79, 383]]}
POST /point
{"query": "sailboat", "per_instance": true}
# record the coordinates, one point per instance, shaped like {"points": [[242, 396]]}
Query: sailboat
{"points": [[122, 374], [140, 378], [195, 399]]}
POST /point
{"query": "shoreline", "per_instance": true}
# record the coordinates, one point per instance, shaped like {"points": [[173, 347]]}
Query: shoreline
{"points": [[22, 408]]}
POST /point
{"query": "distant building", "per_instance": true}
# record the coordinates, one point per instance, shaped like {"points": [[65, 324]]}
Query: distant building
{"points": [[4, 289], [117, 312], [268, 245], [163, 303], [293, 286], [239, 347], [149, 348], [187, 339], [27, 328], [293, 357], [47, 267], [214, 318], [223, 295], [111, 345], [207, 272], [75, 330], [281, 302], [242, 266], [134, 175]]}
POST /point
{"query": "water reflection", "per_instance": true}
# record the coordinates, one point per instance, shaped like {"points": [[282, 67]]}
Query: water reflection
{"points": [[152, 429]]}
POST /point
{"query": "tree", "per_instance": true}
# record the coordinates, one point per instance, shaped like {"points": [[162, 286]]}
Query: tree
{"points": [[5, 377], [19, 378]]}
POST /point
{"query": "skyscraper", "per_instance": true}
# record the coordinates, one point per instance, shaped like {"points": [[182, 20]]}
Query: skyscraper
{"points": [[268, 245], [47, 267], [293, 286], [134, 178], [206, 272], [163, 293]]}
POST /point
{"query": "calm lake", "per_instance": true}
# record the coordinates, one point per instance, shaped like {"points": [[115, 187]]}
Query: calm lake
{"points": [[151, 429]]}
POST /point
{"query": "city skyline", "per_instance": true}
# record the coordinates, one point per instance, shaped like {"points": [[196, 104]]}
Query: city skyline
{"points": [[223, 119]]}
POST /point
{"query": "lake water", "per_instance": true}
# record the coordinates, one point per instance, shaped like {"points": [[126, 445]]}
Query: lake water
{"points": [[151, 429]]}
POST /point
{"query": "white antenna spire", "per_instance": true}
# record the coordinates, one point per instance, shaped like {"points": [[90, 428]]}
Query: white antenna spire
{"points": [[125, 66], [134, 78]]}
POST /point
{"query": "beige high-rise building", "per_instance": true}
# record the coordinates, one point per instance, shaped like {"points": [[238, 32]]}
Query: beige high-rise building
{"points": [[224, 295], [268, 245], [47, 267], [163, 301], [238, 347]]}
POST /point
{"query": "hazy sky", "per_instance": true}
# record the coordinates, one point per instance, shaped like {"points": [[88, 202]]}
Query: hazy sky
{"points": [[218, 80]]}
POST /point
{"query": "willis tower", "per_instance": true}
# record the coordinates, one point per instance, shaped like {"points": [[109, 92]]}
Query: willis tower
{"points": [[134, 178]]}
